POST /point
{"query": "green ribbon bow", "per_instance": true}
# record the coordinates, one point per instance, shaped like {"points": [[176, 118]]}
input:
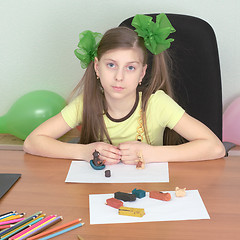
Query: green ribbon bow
{"points": [[88, 45], [154, 34]]}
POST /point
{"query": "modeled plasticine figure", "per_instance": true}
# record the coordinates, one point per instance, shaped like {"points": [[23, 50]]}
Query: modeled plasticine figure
{"points": [[96, 163], [180, 192], [140, 161]]}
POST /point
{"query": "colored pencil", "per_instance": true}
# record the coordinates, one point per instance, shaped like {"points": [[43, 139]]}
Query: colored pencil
{"points": [[11, 221], [22, 234], [44, 227], [33, 221], [26, 220], [5, 226], [62, 231], [22, 227], [55, 229], [32, 226], [7, 213], [12, 217], [40, 228]]}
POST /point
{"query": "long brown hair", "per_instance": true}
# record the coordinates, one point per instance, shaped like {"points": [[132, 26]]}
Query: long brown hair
{"points": [[94, 103]]}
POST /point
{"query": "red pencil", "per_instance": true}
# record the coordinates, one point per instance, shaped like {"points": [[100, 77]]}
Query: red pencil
{"points": [[5, 226], [54, 229]]}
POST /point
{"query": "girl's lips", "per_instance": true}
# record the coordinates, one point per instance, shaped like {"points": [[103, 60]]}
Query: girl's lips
{"points": [[117, 88]]}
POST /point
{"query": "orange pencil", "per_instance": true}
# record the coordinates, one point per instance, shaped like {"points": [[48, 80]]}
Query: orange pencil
{"points": [[54, 229]]}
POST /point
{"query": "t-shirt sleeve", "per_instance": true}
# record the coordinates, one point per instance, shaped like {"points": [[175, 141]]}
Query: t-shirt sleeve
{"points": [[72, 113], [167, 111]]}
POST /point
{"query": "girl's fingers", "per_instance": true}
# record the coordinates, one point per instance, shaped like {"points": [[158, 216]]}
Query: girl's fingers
{"points": [[111, 162], [129, 162], [110, 154]]}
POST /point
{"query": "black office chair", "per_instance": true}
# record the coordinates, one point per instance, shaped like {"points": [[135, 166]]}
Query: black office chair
{"points": [[196, 71]]}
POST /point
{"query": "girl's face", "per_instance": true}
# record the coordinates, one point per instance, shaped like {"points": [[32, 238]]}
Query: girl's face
{"points": [[120, 71]]}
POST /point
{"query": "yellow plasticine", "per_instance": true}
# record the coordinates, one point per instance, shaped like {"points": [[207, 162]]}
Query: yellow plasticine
{"points": [[135, 212]]}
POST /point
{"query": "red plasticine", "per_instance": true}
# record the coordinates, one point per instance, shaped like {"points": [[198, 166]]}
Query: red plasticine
{"points": [[160, 195], [113, 202]]}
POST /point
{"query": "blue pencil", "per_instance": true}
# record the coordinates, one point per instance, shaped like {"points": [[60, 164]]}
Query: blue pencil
{"points": [[61, 232], [7, 215]]}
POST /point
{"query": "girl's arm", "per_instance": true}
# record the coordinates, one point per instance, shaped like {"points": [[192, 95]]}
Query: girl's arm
{"points": [[203, 145], [43, 142]]}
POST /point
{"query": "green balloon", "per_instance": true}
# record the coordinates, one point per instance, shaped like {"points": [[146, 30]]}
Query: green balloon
{"points": [[29, 111]]}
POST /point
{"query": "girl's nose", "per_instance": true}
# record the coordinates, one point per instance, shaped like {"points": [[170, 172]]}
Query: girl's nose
{"points": [[119, 75]]}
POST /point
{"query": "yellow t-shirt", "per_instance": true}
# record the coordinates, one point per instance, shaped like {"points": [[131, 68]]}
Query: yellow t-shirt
{"points": [[162, 111]]}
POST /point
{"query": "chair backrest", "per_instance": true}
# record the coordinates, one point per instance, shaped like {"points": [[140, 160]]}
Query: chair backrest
{"points": [[196, 71]]}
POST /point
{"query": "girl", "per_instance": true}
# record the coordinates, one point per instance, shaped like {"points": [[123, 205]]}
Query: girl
{"points": [[119, 118]]}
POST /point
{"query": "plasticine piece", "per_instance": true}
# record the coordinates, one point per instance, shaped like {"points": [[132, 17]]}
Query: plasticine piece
{"points": [[126, 197], [180, 192], [139, 193], [160, 195], [96, 163], [107, 173], [134, 212], [113, 202]]}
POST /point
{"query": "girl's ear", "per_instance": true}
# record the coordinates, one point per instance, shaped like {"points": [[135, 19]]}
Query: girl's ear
{"points": [[144, 71], [96, 62]]}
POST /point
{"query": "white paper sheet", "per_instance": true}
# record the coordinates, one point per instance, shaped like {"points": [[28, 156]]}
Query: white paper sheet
{"points": [[82, 172], [190, 207]]}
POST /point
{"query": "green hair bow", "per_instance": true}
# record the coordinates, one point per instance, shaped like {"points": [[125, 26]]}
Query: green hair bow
{"points": [[154, 34], [88, 45]]}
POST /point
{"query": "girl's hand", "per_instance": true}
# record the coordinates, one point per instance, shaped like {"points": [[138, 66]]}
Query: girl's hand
{"points": [[130, 151], [108, 153]]}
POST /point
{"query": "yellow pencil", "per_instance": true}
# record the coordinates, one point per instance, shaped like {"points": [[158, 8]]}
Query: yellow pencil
{"points": [[12, 217]]}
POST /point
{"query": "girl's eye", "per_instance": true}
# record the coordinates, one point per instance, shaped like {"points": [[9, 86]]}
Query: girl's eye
{"points": [[131, 68], [111, 65]]}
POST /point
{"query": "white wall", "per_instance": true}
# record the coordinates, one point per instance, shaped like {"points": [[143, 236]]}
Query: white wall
{"points": [[38, 37]]}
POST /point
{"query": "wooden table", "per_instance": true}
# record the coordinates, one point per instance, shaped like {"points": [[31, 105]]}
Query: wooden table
{"points": [[42, 187]]}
